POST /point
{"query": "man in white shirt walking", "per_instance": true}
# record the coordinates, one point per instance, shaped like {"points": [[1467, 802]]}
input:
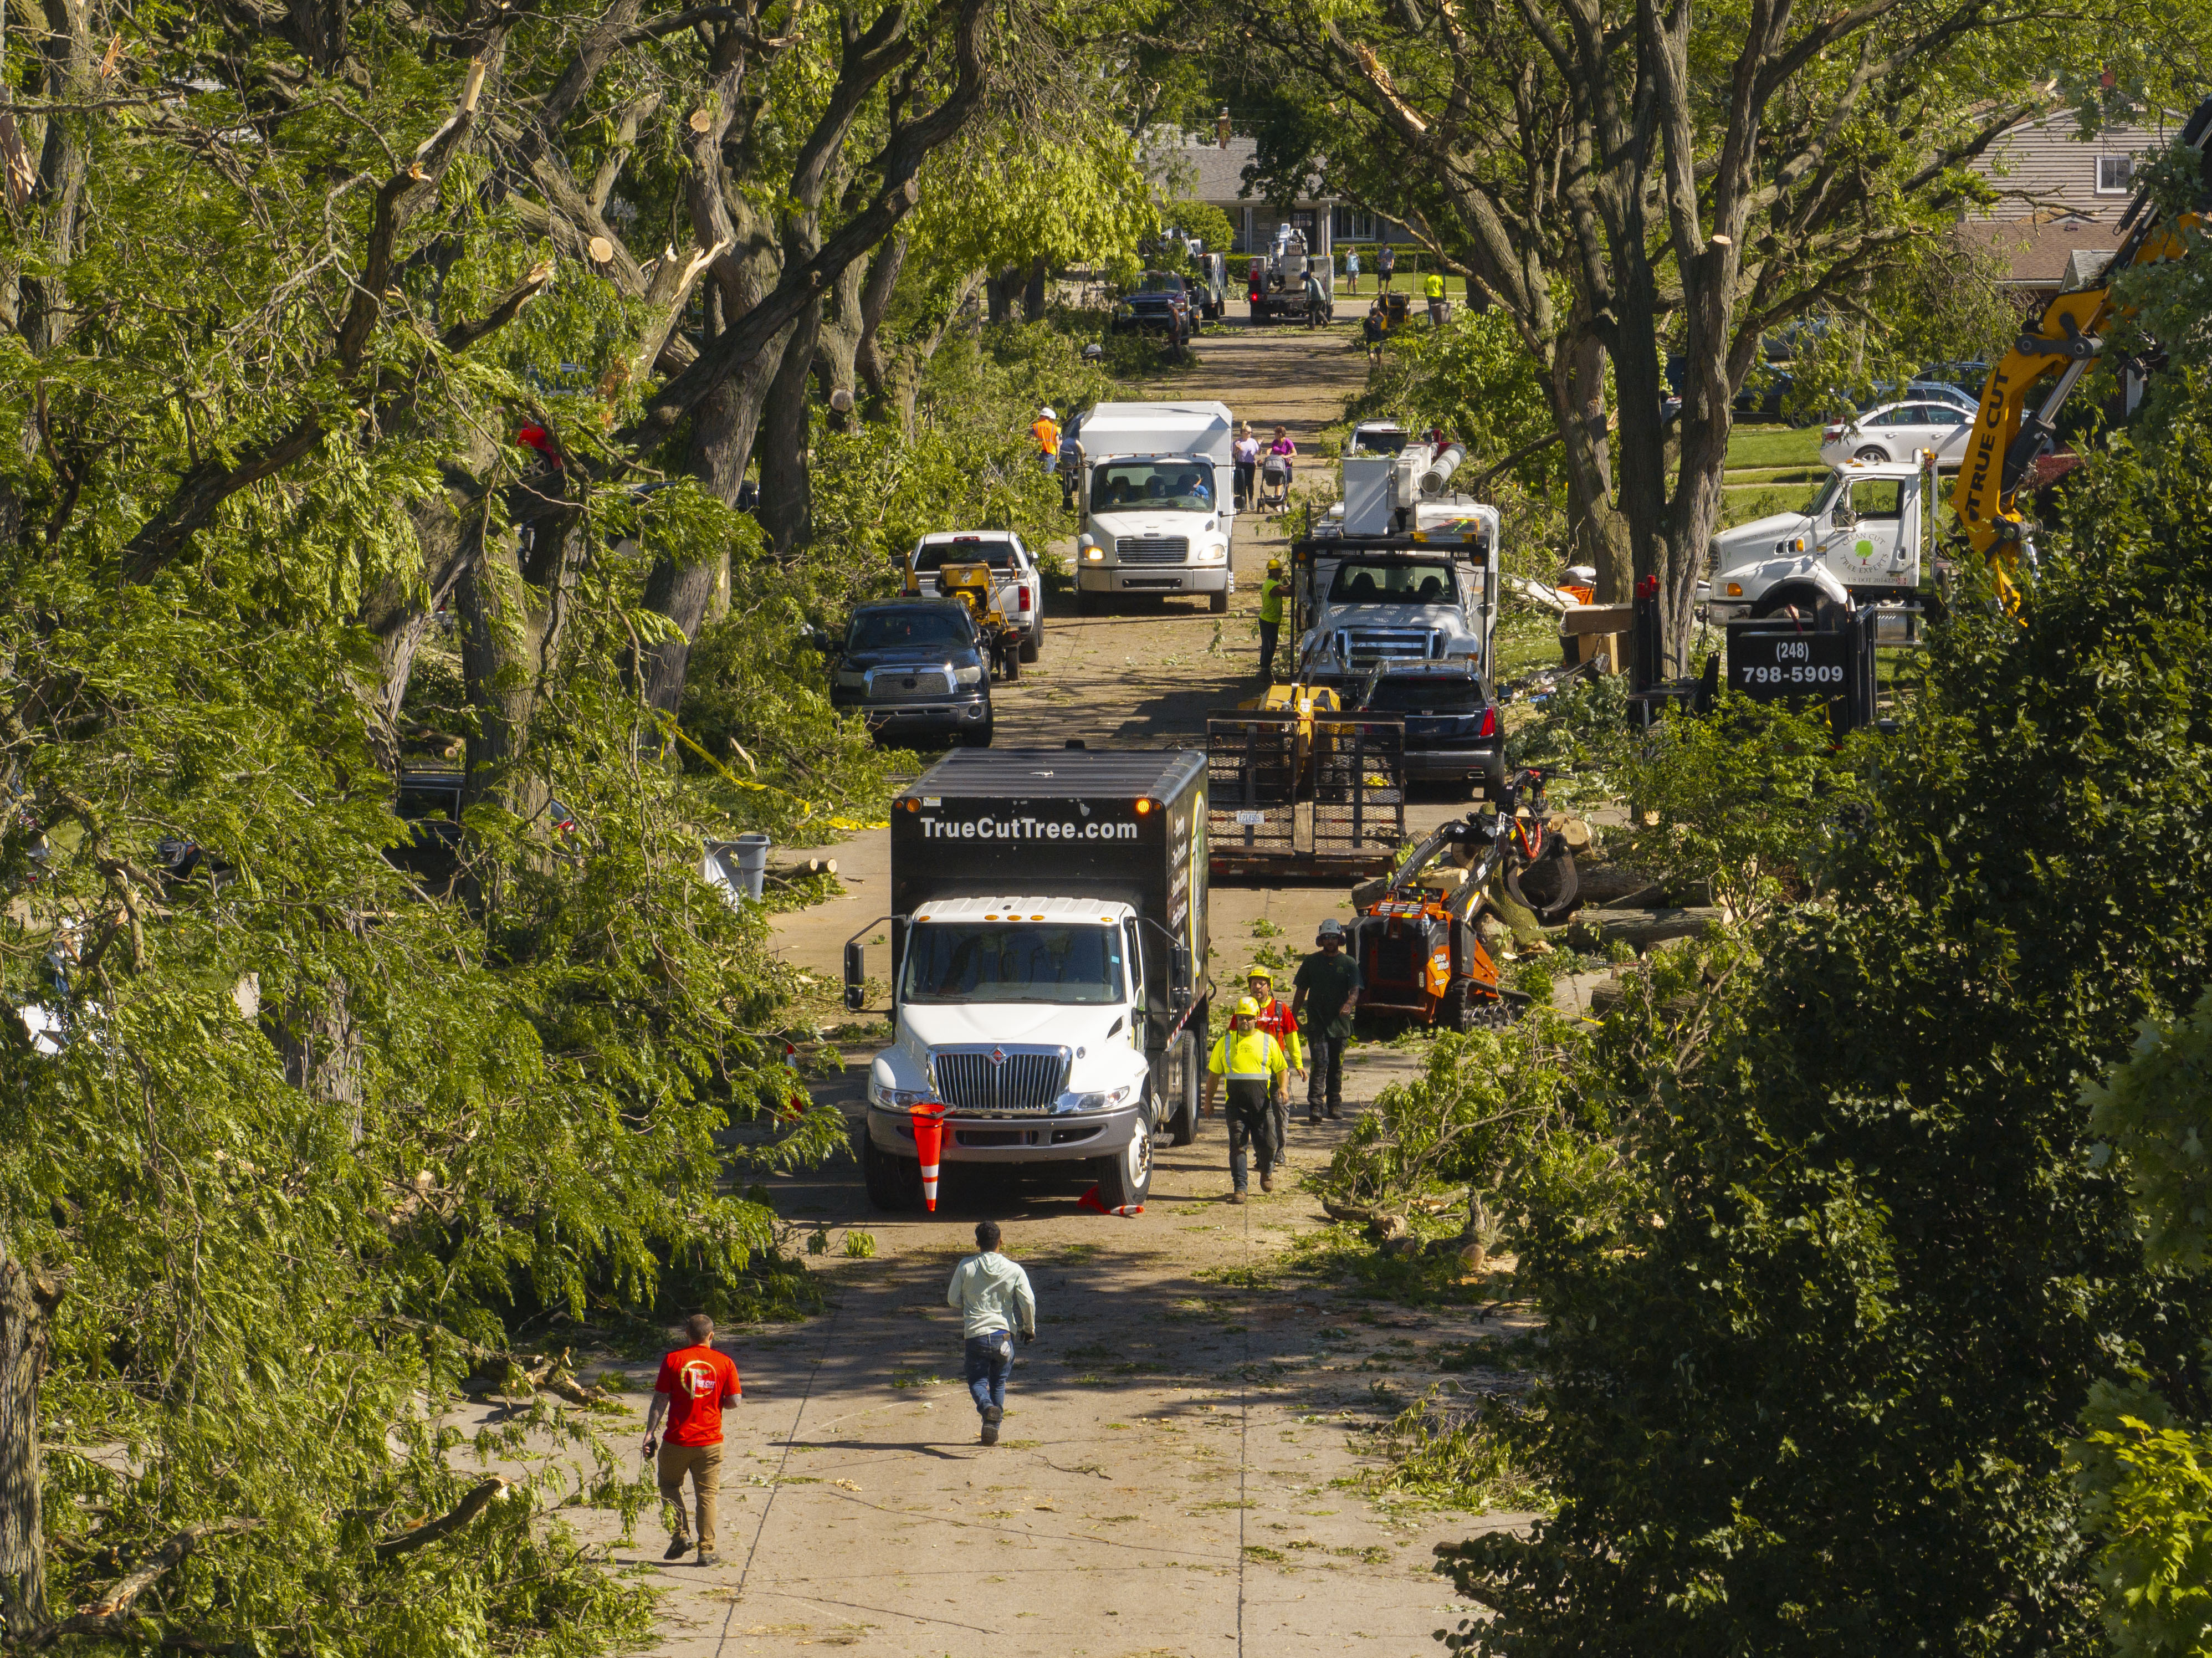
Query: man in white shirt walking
{"points": [[994, 1297]]}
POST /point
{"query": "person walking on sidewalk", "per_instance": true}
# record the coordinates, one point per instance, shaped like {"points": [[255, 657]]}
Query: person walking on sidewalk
{"points": [[696, 1385], [1275, 1019], [1352, 268], [1253, 1064], [1327, 992], [1247, 454], [994, 1299], [1270, 618]]}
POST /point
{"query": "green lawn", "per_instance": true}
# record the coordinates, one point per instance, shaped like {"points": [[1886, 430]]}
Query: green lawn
{"points": [[1774, 446]]}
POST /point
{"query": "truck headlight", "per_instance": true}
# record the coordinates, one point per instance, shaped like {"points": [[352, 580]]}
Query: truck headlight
{"points": [[897, 1099], [1213, 552], [1094, 553], [1105, 1102], [973, 676], [851, 679]]}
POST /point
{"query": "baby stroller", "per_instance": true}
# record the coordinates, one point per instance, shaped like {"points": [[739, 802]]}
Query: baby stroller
{"points": [[1274, 482]]}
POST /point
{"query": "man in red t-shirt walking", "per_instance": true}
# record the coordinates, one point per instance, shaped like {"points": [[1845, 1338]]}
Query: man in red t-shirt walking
{"points": [[696, 1386]]}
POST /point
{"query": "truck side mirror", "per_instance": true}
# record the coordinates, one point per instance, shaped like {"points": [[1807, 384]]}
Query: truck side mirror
{"points": [[822, 642], [856, 975]]}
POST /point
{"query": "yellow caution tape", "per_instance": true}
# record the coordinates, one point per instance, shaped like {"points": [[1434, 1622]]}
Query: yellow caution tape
{"points": [[668, 724]]}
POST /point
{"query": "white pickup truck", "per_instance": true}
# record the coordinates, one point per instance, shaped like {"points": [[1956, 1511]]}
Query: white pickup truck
{"points": [[1156, 492], [1860, 541]]}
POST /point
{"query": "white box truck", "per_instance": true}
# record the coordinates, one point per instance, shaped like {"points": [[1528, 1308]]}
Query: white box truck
{"points": [[1155, 490]]}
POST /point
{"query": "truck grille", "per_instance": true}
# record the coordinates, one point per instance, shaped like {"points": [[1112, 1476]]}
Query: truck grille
{"points": [[1153, 550], [1024, 1079], [1364, 647], [892, 685]]}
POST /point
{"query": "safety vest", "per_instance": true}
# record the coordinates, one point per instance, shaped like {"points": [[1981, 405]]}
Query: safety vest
{"points": [[1048, 437], [1271, 598], [1435, 286], [1247, 1056], [1275, 1018]]}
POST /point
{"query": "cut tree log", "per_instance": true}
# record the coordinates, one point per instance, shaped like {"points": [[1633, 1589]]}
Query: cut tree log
{"points": [[1639, 929], [1544, 597], [478, 1499]]}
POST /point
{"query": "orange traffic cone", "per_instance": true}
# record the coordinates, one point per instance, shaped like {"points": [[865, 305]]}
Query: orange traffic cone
{"points": [[1093, 1202], [929, 1146]]}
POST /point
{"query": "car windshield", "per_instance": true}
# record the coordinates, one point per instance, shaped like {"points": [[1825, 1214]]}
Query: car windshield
{"points": [[1156, 283], [1169, 486], [1823, 497], [971, 961], [1358, 582], [929, 629], [1397, 693], [1377, 443], [999, 555]]}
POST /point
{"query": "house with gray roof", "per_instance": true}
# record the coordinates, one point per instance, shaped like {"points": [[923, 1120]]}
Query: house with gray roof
{"points": [[1201, 167], [2063, 195]]}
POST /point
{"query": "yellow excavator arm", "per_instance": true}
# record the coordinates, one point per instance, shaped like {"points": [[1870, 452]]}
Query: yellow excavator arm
{"points": [[2046, 363]]}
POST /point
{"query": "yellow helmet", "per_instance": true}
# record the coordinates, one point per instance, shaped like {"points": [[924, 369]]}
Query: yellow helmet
{"points": [[1274, 565], [1256, 971], [1246, 1009]]}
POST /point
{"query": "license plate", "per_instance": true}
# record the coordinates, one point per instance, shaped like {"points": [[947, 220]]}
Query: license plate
{"points": [[1251, 819]]}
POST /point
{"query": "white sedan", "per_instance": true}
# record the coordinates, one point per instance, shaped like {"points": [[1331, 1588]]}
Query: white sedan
{"points": [[1898, 431]]}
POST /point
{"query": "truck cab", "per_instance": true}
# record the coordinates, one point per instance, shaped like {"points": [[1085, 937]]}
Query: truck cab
{"points": [[1859, 541], [1156, 502], [1046, 957]]}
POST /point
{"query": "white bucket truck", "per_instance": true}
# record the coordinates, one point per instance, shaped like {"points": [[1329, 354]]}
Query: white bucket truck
{"points": [[1156, 495]]}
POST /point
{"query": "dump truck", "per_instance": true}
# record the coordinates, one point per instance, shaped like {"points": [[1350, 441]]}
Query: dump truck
{"points": [[1047, 960]]}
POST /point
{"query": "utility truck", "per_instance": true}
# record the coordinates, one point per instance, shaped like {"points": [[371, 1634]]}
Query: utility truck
{"points": [[1047, 965], [1860, 543], [1281, 288], [1155, 493]]}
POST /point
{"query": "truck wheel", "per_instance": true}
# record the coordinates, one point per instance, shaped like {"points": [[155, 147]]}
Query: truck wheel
{"points": [[894, 1183], [1184, 1131], [1124, 1178], [1807, 600], [1033, 641], [1011, 662], [1217, 603]]}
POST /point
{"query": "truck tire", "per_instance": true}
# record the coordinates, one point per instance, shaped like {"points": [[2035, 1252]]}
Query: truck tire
{"points": [[1807, 601], [894, 1183], [1217, 603], [1033, 641], [1012, 661], [1127, 1176], [967, 739], [1184, 1129]]}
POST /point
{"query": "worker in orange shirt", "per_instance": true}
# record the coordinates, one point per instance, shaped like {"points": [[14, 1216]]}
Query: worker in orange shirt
{"points": [[1046, 429], [1279, 1021]]}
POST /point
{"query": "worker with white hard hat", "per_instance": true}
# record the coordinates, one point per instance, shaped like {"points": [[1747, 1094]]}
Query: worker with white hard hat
{"points": [[1045, 428], [1328, 983]]}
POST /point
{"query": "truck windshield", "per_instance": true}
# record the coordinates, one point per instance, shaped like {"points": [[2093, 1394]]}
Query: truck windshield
{"points": [[1357, 582], [1377, 441], [931, 628], [1167, 486], [999, 555], [970, 961]]}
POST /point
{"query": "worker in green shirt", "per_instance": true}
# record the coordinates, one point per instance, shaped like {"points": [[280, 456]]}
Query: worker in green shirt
{"points": [[1271, 619], [1433, 285]]}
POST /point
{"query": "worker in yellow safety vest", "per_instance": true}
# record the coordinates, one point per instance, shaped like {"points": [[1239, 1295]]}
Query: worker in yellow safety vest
{"points": [[1254, 1065], [1271, 619], [1433, 286]]}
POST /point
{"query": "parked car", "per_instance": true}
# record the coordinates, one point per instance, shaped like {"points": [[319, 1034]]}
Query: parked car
{"points": [[1966, 377], [1898, 431], [1921, 391], [1452, 729], [913, 667], [429, 804], [1016, 584]]}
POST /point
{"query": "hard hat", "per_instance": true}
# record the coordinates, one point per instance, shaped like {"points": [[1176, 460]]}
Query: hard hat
{"points": [[1273, 565], [1332, 929], [1047, 414], [1256, 971], [1246, 1009]]}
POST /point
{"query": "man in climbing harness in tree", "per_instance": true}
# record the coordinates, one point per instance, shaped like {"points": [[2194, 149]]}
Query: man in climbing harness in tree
{"points": [[1271, 619], [1254, 1064]]}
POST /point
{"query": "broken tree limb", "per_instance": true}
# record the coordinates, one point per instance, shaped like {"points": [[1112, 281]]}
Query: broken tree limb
{"points": [[478, 1499], [1639, 929], [1538, 593], [109, 1617], [497, 1368]]}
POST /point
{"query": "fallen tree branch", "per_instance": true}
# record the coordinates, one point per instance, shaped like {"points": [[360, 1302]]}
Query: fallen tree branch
{"points": [[478, 1499], [496, 1367], [109, 1617]]}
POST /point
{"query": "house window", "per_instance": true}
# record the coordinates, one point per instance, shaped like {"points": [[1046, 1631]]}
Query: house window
{"points": [[1353, 226], [2114, 173]]}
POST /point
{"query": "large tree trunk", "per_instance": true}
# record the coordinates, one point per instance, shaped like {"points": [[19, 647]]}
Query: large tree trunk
{"points": [[786, 493], [513, 602], [1601, 537], [28, 1299]]}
